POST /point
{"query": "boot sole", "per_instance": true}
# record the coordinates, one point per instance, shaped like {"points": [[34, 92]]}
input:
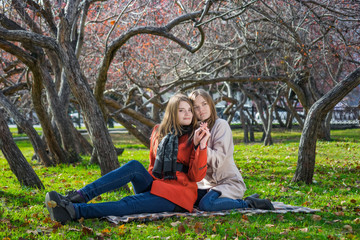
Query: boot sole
{"points": [[56, 213]]}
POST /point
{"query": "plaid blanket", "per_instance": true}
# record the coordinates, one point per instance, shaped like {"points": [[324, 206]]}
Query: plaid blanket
{"points": [[146, 217]]}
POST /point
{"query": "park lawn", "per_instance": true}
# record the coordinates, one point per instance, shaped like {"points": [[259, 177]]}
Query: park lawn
{"points": [[267, 170]]}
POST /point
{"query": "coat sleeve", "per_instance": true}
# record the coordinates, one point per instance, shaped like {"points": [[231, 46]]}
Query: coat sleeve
{"points": [[197, 166], [221, 147]]}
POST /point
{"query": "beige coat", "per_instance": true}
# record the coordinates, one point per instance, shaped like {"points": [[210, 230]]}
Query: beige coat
{"points": [[222, 174]]}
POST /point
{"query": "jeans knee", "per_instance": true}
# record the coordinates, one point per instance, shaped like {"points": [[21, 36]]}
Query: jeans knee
{"points": [[133, 164], [205, 204], [208, 201]]}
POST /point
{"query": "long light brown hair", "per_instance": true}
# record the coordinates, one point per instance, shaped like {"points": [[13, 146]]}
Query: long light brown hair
{"points": [[170, 122], [213, 116]]}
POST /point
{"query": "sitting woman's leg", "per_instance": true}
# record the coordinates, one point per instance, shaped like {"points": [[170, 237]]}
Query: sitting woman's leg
{"points": [[139, 203], [132, 171], [212, 202]]}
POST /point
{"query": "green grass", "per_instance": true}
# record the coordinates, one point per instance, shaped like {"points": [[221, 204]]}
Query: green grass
{"points": [[267, 170]]}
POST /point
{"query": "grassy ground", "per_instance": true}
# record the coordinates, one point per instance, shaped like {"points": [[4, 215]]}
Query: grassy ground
{"points": [[267, 170]]}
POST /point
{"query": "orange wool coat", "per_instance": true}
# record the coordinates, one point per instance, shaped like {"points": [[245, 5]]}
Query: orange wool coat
{"points": [[183, 190]]}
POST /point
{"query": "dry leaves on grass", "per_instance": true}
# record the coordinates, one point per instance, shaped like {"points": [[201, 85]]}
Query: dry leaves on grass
{"points": [[181, 228], [348, 228], [316, 217]]}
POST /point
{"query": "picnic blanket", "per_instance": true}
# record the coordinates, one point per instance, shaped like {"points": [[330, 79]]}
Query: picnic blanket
{"points": [[147, 217]]}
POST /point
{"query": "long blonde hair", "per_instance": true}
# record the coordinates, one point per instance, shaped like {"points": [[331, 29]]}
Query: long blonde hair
{"points": [[213, 116], [170, 122]]}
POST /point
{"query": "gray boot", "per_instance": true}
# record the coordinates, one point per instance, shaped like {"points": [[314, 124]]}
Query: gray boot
{"points": [[59, 207], [75, 197], [259, 203], [255, 195]]}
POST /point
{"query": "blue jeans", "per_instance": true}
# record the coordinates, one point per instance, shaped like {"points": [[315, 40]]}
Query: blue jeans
{"points": [[210, 201], [142, 202]]}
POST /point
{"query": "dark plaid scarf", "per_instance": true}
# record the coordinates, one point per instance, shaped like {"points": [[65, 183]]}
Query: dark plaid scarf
{"points": [[166, 155]]}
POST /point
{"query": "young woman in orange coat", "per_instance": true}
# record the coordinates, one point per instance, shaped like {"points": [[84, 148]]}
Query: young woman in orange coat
{"points": [[168, 185]]}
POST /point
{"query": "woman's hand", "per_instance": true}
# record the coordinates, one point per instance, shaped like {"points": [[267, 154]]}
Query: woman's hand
{"points": [[202, 135], [205, 138]]}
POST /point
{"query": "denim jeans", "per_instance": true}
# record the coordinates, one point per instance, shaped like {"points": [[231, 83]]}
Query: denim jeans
{"points": [[210, 201], [142, 202]]}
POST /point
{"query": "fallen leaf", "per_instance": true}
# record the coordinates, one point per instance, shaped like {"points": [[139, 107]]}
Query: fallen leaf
{"points": [[106, 231], [32, 232], [299, 193], [74, 229], [353, 201], [181, 229], [304, 229], [269, 225], [174, 224], [198, 227], [316, 217], [86, 230], [357, 220], [51, 204], [348, 228], [339, 213]]}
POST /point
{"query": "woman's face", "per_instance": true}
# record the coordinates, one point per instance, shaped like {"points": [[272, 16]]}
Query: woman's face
{"points": [[201, 108], [185, 114]]}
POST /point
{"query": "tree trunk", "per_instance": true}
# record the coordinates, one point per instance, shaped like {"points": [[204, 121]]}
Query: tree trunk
{"points": [[81, 90], [62, 120], [17, 162], [86, 147], [54, 148], [251, 129], [268, 139], [19, 129], [323, 132], [294, 112], [278, 118], [36, 141], [134, 131], [244, 121], [306, 154], [307, 146]]}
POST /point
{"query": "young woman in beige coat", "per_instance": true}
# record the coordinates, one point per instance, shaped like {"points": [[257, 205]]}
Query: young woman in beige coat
{"points": [[223, 186]]}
